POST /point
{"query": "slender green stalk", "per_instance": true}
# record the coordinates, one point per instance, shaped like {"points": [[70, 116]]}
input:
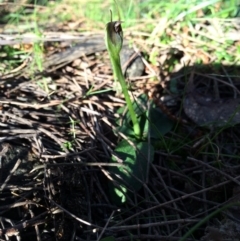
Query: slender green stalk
{"points": [[114, 40], [119, 75]]}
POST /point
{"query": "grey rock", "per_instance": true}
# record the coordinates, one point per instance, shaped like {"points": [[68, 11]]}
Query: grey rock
{"points": [[131, 62]]}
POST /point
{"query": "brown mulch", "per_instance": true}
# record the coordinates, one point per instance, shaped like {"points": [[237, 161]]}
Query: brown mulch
{"points": [[57, 138]]}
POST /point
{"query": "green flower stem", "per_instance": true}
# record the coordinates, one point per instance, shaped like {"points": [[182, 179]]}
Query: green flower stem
{"points": [[118, 71], [114, 40]]}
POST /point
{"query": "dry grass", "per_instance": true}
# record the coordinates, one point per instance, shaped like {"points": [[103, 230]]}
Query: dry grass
{"points": [[57, 136]]}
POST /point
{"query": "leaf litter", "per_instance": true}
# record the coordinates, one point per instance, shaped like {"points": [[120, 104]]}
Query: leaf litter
{"points": [[57, 143]]}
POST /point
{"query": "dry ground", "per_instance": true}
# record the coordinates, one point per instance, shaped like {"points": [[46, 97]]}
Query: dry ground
{"points": [[57, 136]]}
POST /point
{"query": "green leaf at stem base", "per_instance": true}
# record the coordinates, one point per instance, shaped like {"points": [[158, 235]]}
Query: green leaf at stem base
{"points": [[133, 173]]}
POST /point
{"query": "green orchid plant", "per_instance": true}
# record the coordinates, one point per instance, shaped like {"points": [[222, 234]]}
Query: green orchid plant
{"points": [[135, 164], [114, 43], [130, 177]]}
